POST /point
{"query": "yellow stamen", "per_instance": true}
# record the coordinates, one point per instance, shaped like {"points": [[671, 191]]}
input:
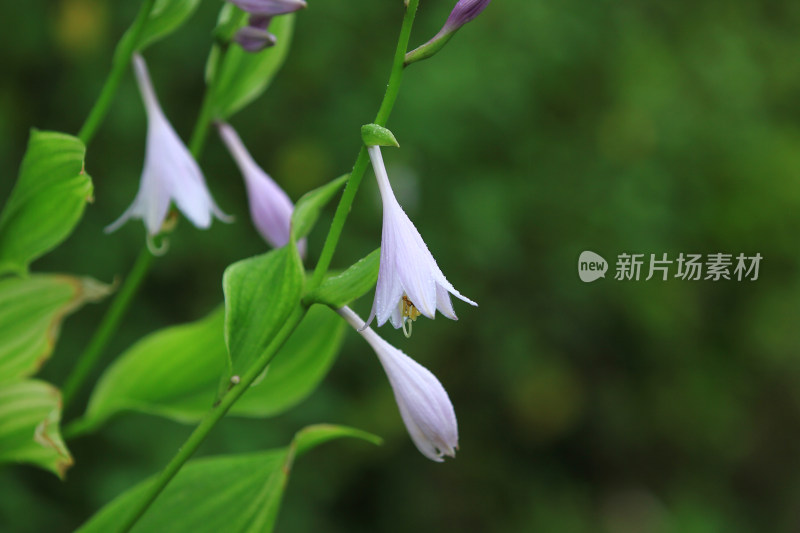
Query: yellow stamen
{"points": [[409, 313]]}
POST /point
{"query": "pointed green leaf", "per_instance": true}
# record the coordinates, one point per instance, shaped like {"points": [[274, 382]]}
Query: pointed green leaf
{"points": [[244, 76], [47, 200], [309, 206], [233, 493], [260, 294], [310, 437], [31, 312], [166, 17], [375, 135], [340, 289], [29, 414], [175, 372]]}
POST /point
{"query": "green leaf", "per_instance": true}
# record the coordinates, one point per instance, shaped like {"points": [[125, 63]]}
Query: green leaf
{"points": [[29, 414], [309, 206], [310, 437], [299, 367], [260, 294], [375, 135], [340, 289], [244, 76], [47, 201], [166, 17], [233, 493], [31, 312], [175, 372]]}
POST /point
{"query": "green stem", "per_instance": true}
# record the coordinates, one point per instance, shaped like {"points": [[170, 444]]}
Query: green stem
{"points": [[122, 59], [349, 194], [206, 116], [88, 359], [212, 417], [200, 133]]}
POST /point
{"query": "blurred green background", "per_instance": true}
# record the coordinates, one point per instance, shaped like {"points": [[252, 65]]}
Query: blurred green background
{"points": [[543, 129]]}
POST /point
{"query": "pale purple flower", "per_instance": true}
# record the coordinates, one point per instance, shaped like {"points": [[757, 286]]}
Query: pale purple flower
{"points": [[269, 7], [410, 282], [170, 172], [254, 37], [270, 207], [463, 12], [423, 403]]}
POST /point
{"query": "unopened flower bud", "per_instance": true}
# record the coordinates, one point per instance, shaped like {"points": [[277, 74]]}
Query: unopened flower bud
{"points": [[269, 8], [270, 207], [421, 399], [254, 37], [464, 11]]}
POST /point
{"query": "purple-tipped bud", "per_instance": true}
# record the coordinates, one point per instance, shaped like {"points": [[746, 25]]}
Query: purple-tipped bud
{"points": [[269, 8], [464, 11], [270, 207], [254, 37]]}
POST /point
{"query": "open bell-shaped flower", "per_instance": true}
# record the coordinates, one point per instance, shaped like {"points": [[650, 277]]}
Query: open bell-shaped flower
{"points": [[269, 7], [270, 207], [423, 403], [410, 282], [170, 172]]}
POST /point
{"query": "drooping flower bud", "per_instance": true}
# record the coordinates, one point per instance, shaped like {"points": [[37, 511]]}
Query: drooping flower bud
{"points": [[254, 37], [464, 11], [410, 282], [170, 172], [423, 403], [269, 8], [270, 207]]}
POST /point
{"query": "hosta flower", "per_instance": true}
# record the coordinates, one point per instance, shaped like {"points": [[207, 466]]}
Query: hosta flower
{"points": [[254, 37], [463, 12], [410, 282], [269, 7], [423, 403], [170, 172], [270, 207]]}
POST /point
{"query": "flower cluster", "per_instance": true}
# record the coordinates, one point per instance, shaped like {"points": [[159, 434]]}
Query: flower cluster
{"points": [[410, 283]]}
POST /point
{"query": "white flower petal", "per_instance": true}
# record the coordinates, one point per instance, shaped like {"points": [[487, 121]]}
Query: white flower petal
{"points": [[152, 202], [443, 303]]}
